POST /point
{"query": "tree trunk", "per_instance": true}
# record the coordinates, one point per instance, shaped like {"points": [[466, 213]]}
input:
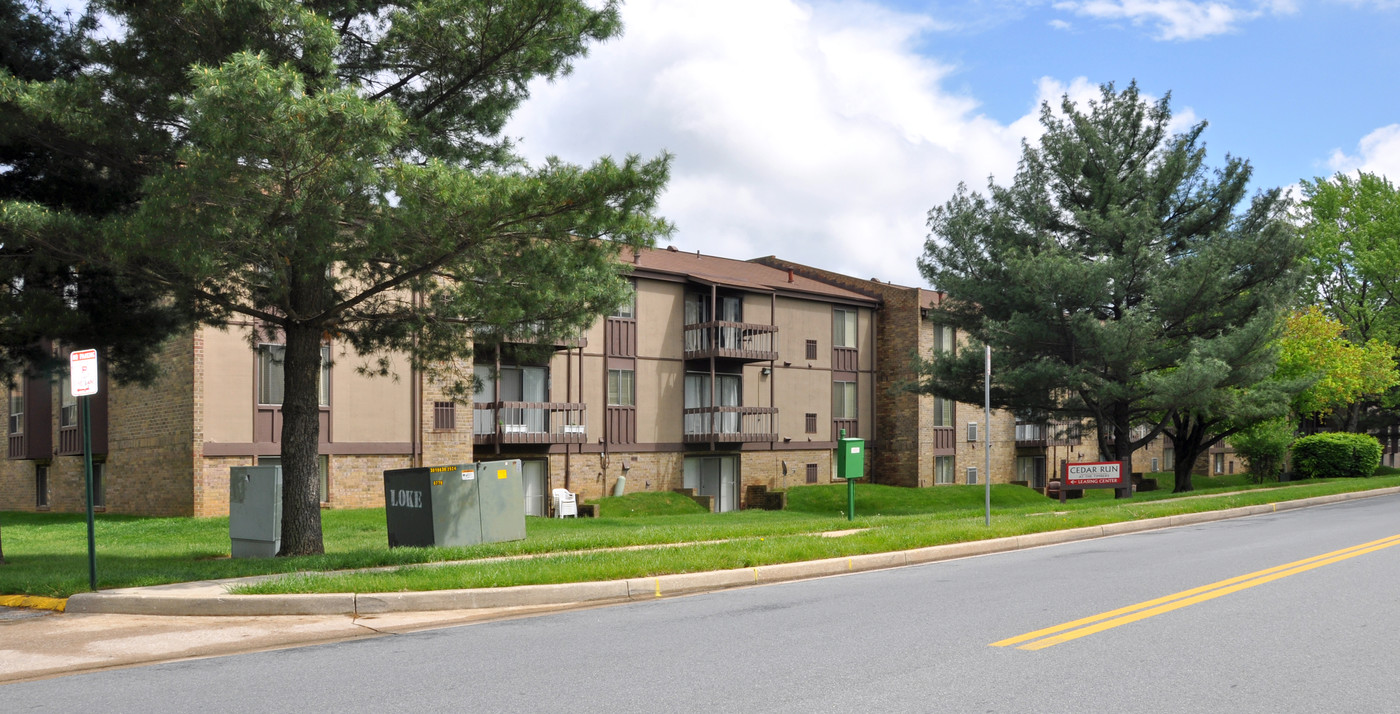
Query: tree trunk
{"points": [[1353, 416], [1188, 444], [301, 426], [2, 552]]}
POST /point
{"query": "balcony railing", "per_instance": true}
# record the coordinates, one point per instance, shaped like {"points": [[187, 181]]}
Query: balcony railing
{"points": [[1029, 434], [1041, 434], [733, 340], [731, 424], [529, 423]]}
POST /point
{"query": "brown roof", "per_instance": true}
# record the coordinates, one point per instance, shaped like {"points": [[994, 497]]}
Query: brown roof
{"points": [[739, 274], [929, 298]]}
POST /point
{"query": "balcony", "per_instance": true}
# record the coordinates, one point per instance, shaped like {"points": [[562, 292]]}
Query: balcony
{"points": [[731, 424], [528, 423], [1043, 434], [1029, 435], [731, 340], [531, 333]]}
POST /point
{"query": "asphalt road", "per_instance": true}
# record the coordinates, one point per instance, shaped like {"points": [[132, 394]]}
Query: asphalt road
{"points": [[1319, 636]]}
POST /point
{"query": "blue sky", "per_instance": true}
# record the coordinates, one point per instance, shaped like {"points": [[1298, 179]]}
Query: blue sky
{"points": [[824, 131]]}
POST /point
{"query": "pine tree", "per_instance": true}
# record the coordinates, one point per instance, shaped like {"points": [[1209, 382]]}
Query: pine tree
{"points": [[336, 171], [1114, 275]]}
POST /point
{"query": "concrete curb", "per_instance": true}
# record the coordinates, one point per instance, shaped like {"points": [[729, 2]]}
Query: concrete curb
{"points": [[212, 598]]}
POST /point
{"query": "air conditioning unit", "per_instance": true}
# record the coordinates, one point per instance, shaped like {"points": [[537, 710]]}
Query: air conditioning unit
{"points": [[972, 431], [972, 474]]}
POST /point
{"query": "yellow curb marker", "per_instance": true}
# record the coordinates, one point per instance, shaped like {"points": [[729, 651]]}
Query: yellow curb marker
{"points": [[1051, 636], [35, 602], [658, 587]]}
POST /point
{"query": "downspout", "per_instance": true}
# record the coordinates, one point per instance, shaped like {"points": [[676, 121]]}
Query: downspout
{"points": [[416, 398], [714, 345], [772, 373]]}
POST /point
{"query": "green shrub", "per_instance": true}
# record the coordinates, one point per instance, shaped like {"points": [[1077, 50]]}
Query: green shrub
{"points": [[1263, 447], [1334, 455]]}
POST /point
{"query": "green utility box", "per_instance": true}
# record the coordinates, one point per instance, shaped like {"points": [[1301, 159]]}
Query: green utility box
{"points": [[850, 457], [464, 504]]}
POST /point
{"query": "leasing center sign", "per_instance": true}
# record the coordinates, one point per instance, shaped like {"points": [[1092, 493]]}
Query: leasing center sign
{"points": [[1098, 474]]}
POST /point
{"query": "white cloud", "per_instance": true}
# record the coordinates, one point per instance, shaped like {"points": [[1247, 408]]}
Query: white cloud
{"points": [[814, 132], [1060, 25], [1377, 153], [1179, 19]]}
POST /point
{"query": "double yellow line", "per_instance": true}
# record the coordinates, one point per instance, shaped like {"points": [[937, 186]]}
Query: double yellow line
{"points": [[1051, 636]]}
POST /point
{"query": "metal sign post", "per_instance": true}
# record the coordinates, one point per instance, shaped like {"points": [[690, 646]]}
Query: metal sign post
{"points": [[82, 367], [987, 442]]}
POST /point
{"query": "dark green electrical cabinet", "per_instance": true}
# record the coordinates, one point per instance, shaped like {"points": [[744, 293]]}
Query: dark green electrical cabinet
{"points": [[463, 504]]}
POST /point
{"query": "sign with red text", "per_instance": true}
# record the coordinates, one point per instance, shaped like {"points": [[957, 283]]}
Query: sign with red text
{"points": [[1095, 474], [82, 365]]}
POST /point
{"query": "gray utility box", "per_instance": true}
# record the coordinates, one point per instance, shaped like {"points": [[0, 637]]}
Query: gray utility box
{"points": [[255, 511], [463, 504]]}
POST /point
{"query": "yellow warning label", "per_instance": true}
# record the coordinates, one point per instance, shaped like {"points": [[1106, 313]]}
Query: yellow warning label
{"points": [[501, 473], [437, 483]]}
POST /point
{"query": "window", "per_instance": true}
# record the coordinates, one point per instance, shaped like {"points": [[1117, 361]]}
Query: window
{"points": [[67, 403], [972, 431], [943, 470], [517, 384], [1219, 463], [41, 485], [445, 415], [622, 389], [271, 376], [811, 473], [99, 485], [323, 466], [843, 333], [728, 392], [942, 338], [628, 309], [1168, 459], [942, 411], [811, 423], [972, 475], [843, 400], [1155, 465], [811, 349], [17, 409]]}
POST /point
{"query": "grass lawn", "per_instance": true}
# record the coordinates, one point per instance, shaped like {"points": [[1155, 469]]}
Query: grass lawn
{"points": [[48, 552]]}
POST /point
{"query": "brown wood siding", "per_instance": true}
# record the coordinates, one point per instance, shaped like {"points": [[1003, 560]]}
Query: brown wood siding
{"points": [[37, 440], [267, 424], [622, 425], [944, 441], [852, 427], [845, 359], [620, 337]]}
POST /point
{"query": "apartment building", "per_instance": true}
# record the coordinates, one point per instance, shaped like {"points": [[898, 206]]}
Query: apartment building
{"points": [[166, 449], [927, 440], [718, 375]]}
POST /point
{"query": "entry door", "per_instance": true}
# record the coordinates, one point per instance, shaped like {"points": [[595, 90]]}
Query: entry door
{"points": [[536, 486], [717, 477]]}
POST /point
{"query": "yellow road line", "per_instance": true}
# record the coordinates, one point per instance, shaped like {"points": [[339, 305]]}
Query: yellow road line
{"points": [[1132, 613], [34, 601]]}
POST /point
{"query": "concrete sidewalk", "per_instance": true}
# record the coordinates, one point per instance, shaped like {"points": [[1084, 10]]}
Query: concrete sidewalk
{"points": [[212, 597]]}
